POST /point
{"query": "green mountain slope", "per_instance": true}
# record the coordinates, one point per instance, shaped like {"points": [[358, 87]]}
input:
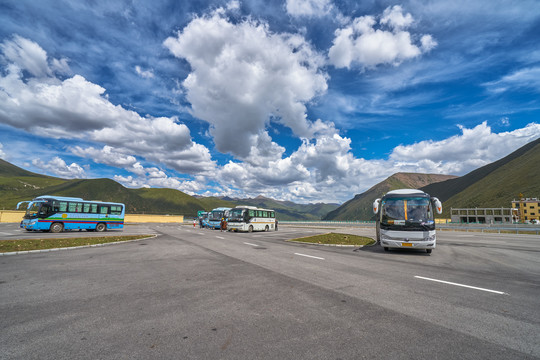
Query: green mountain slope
{"points": [[289, 211], [360, 207], [17, 184], [446, 189], [517, 173]]}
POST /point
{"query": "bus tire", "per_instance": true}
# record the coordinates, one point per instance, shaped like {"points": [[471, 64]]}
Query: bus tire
{"points": [[386, 248], [429, 251], [56, 227], [266, 228], [101, 227], [250, 228]]}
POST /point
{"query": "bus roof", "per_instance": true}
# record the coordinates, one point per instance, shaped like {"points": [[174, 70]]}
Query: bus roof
{"points": [[251, 208], [405, 192], [67, 198], [221, 209]]}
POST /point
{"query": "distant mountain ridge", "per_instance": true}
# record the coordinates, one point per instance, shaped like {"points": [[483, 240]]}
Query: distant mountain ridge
{"points": [[288, 210], [493, 185], [17, 184], [360, 207]]}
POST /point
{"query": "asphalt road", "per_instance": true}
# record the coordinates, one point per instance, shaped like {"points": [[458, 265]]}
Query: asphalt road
{"points": [[203, 294]]}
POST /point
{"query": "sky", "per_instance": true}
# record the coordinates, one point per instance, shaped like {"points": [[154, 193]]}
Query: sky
{"points": [[301, 100]]}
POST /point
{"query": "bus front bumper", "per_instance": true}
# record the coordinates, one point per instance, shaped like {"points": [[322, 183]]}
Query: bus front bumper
{"points": [[409, 239], [29, 224]]}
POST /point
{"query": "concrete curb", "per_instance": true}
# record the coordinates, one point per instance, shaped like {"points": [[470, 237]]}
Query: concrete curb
{"points": [[335, 245], [72, 247]]}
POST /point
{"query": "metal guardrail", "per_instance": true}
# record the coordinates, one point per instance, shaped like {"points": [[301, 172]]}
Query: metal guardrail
{"points": [[494, 228], [515, 229], [328, 223]]}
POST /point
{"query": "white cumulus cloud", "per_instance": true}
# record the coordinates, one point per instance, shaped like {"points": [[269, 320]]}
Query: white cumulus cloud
{"points": [[311, 8], [76, 108], [244, 76], [462, 153], [368, 42], [58, 167]]}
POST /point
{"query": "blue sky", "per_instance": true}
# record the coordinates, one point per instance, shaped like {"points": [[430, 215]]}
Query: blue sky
{"points": [[302, 100]]}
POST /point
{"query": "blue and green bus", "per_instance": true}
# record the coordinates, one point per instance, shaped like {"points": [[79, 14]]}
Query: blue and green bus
{"points": [[58, 213]]}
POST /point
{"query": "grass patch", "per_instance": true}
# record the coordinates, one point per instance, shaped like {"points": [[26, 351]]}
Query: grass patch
{"points": [[41, 244], [337, 239]]}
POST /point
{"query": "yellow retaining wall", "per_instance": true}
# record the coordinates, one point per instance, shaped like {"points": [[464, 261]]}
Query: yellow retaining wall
{"points": [[140, 218], [11, 216]]}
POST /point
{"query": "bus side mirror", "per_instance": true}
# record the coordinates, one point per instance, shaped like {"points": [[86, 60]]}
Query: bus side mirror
{"points": [[437, 204], [376, 206]]}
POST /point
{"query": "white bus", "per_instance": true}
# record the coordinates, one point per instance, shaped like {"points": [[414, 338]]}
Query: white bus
{"points": [[404, 219], [251, 218]]}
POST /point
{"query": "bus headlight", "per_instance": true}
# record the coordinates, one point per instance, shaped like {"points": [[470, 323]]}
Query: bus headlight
{"points": [[431, 238]]}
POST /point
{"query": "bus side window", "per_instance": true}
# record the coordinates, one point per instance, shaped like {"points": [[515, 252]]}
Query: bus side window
{"points": [[103, 209], [251, 213], [93, 209], [62, 206], [265, 214], [59, 206], [259, 213], [44, 210], [116, 209], [86, 208]]}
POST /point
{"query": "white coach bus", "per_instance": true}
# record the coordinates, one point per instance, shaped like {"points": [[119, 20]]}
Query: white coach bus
{"points": [[404, 219], [251, 218]]}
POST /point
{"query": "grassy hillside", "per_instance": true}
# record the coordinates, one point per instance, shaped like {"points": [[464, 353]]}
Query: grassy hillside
{"points": [[360, 207], [17, 184], [447, 189], [289, 211], [516, 174]]}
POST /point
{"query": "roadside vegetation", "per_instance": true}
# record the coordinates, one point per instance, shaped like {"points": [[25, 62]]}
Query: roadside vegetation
{"points": [[41, 244], [336, 239]]}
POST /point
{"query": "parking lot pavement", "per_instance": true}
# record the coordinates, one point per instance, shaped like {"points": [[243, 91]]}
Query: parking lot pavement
{"points": [[202, 294], [12, 231]]}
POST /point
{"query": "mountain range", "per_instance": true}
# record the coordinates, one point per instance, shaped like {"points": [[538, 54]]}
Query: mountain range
{"points": [[17, 184], [493, 185]]}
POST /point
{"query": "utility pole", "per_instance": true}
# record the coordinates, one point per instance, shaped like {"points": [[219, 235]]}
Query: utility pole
{"points": [[521, 209]]}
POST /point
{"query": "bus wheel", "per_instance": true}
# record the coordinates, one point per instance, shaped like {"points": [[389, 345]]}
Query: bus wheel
{"points": [[386, 248], [57, 227], [266, 228], [429, 251], [250, 229], [101, 227]]}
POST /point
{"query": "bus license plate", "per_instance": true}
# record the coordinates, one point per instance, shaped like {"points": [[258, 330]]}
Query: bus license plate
{"points": [[406, 244]]}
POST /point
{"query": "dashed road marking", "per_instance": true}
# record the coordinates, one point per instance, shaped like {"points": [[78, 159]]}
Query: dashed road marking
{"points": [[462, 285], [309, 256], [251, 244]]}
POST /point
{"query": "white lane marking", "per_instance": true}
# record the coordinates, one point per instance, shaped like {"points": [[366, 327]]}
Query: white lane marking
{"points": [[251, 244], [462, 285], [3, 233], [219, 237], [309, 256]]}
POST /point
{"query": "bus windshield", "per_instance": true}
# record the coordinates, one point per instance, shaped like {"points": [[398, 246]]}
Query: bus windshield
{"points": [[404, 211], [33, 209], [236, 215], [216, 215]]}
